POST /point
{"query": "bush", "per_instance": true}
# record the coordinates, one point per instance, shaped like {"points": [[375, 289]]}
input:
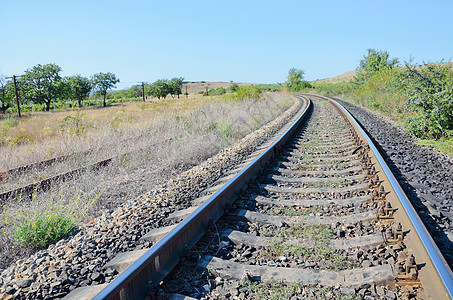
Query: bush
{"points": [[73, 125], [216, 92], [44, 230], [247, 92], [430, 101], [11, 121]]}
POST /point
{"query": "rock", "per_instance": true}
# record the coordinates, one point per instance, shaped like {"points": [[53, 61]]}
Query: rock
{"points": [[10, 290], [96, 276], [366, 263], [346, 290], [390, 296], [23, 283]]}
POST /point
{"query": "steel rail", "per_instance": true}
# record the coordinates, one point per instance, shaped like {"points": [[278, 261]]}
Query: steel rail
{"points": [[160, 259], [40, 164], [438, 261], [46, 183]]}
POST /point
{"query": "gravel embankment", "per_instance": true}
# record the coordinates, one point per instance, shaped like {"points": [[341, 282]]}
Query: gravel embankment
{"points": [[424, 174], [79, 261]]}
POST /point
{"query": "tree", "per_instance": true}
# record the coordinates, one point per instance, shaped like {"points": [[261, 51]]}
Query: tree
{"points": [[160, 88], [102, 82], [234, 87], [78, 88], [374, 62], [175, 86], [43, 83], [6, 94], [295, 80]]}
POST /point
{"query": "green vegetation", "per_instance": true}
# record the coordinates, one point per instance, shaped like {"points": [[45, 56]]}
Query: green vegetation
{"points": [[43, 84], [73, 125], [43, 230], [78, 88], [327, 184], [42, 88], [281, 290], [162, 87], [319, 236], [291, 211], [6, 95], [102, 82], [420, 97], [296, 82]]}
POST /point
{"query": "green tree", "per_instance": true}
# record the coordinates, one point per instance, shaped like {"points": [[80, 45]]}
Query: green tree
{"points": [[43, 83], [234, 87], [373, 62], [78, 88], [102, 82], [160, 88], [175, 86], [6, 94], [135, 91], [295, 80]]}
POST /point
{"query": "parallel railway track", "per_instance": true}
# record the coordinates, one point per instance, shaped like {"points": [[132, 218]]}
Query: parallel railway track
{"points": [[321, 187], [25, 190]]}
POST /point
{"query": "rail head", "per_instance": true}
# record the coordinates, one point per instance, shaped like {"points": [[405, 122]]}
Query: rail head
{"points": [[440, 265], [160, 259]]}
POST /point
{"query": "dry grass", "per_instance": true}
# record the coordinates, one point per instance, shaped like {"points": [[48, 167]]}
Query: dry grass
{"points": [[198, 86], [174, 135]]}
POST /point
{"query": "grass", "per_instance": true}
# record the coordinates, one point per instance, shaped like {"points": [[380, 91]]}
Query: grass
{"points": [[320, 250], [443, 145], [305, 156], [173, 135], [279, 290], [312, 144], [326, 184], [291, 211], [44, 230]]}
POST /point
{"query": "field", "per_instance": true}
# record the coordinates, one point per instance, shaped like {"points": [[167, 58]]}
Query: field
{"points": [[193, 87], [151, 141]]}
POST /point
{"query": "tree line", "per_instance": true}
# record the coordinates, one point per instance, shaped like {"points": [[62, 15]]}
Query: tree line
{"points": [[43, 84]]}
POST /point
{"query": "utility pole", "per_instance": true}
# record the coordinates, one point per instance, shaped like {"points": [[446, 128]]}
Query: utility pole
{"points": [[143, 87], [17, 94], [187, 94]]}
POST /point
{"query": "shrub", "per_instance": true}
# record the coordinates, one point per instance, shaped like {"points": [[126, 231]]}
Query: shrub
{"points": [[430, 100], [11, 121], [217, 91], [44, 230], [247, 92], [73, 125], [20, 139]]}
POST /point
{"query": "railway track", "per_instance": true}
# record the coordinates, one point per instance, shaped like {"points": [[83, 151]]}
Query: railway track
{"points": [[27, 187], [312, 213], [315, 214], [82, 260]]}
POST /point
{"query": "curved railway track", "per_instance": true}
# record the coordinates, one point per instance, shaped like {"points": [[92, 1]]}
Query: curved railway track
{"points": [[317, 212]]}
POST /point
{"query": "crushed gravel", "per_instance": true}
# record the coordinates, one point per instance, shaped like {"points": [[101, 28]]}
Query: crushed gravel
{"points": [[425, 175], [78, 261]]}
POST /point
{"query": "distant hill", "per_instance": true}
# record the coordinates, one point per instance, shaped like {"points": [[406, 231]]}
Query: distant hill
{"points": [[339, 78]]}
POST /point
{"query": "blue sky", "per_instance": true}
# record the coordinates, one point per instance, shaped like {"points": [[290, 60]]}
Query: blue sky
{"points": [[243, 41]]}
